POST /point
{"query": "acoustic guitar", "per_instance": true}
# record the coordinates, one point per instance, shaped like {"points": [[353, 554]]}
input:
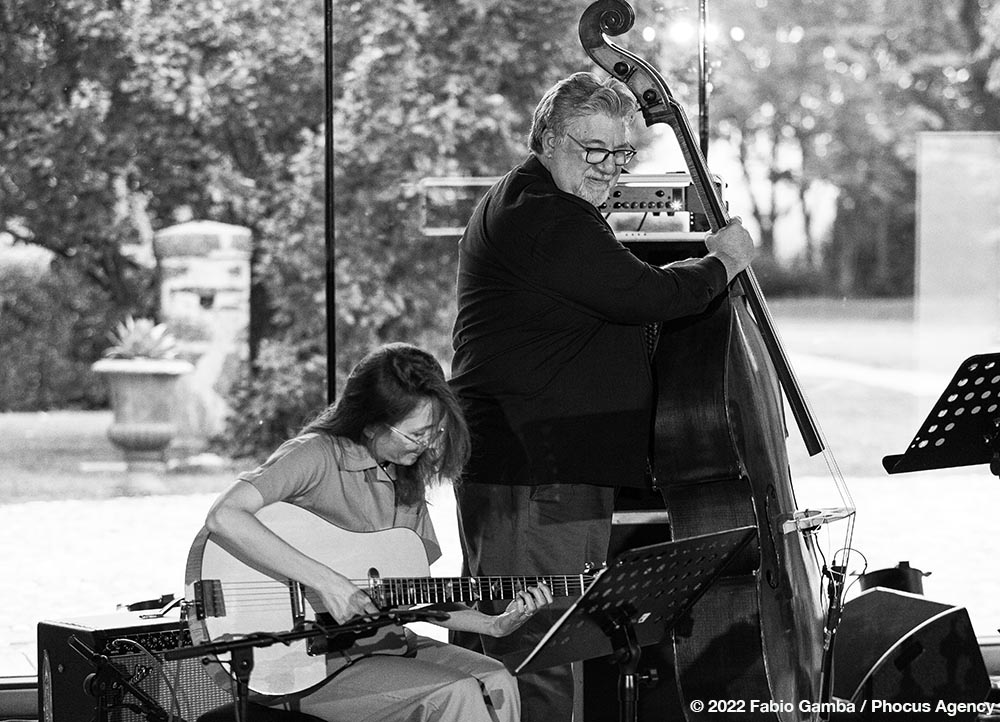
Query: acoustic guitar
{"points": [[232, 598]]}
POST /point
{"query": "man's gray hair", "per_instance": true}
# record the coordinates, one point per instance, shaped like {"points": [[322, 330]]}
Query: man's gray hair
{"points": [[579, 95]]}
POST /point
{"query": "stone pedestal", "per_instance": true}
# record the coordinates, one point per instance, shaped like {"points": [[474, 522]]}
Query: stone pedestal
{"points": [[205, 301]]}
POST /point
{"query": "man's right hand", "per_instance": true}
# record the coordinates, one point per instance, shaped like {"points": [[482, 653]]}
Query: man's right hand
{"points": [[732, 245]]}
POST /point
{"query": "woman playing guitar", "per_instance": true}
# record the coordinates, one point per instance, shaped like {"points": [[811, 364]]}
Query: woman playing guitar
{"points": [[362, 466]]}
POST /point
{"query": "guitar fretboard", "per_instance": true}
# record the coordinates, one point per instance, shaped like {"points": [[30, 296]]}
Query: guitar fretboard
{"points": [[397, 591]]}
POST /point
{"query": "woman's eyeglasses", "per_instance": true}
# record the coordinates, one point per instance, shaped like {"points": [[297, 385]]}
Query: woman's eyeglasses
{"points": [[425, 440]]}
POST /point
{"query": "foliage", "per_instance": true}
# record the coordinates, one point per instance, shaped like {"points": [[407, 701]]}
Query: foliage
{"points": [[119, 118], [788, 280], [51, 327], [141, 338], [424, 89], [287, 387], [835, 95], [68, 146]]}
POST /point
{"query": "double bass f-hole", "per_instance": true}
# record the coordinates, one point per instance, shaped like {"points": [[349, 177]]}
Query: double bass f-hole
{"points": [[772, 518]]}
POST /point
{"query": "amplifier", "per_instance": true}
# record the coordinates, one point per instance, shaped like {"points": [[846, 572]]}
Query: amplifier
{"points": [[134, 646], [660, 193], [449, 201]]}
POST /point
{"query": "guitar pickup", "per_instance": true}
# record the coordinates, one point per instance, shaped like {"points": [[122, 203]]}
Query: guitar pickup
{"points": [[208, 599]]}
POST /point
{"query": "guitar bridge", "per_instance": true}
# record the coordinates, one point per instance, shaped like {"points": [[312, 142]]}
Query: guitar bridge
{"points": [[208, 599]]}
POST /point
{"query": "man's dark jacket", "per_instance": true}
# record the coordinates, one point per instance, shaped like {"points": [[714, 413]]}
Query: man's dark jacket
{"points": [[550, 358]]}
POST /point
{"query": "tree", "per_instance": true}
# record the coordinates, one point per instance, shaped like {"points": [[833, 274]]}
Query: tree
{"points": [[426, 89], [421, 89], [64, 156], [117, 118], [837, 93], [120, 116]]}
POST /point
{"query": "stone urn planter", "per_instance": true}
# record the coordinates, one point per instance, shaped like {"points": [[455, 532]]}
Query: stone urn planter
{"points": [[144, 402], [142, 376]]}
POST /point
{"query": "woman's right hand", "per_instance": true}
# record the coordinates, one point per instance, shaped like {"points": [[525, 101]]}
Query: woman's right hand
{"points": [[343, 599]]}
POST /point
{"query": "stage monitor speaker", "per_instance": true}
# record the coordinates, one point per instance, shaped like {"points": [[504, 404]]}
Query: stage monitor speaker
{"points": [[897, 652], [63, 694]]}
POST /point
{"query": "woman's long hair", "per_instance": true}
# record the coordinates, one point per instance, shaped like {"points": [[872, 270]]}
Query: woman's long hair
{"points": [[383, 389]]}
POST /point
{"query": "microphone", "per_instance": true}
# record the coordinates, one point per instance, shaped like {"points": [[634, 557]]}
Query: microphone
{"points": [[109, 681]]}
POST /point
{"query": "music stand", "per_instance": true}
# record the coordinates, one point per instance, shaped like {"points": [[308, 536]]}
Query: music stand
{"points": [[963, 428], [634, 603]]}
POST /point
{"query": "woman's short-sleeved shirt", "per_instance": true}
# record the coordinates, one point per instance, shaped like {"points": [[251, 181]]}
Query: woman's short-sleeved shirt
{"points": [[339, 480]]}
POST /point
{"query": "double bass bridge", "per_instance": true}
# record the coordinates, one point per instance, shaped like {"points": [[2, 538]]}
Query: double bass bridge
{"points": [[810, 520]]}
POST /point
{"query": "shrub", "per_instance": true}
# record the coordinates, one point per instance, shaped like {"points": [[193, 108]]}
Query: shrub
{"points": [[272, 404], [52, 326], [793, 280]]}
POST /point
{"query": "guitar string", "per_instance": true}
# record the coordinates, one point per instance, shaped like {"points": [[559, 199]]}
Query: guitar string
{"points": [[438, 583]]}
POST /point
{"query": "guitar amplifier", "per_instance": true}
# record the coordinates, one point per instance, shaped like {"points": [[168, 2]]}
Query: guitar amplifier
{"points": [[134, 646]]}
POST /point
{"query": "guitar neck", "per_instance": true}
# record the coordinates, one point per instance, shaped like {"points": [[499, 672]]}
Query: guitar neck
{"points": [[398, 591]]}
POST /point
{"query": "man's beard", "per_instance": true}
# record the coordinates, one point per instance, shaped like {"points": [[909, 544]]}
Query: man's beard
{"points": [[594, 190]]}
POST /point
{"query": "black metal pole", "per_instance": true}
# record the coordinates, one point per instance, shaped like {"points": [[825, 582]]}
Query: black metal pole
{"points": [[331, 298], [703, 76]]}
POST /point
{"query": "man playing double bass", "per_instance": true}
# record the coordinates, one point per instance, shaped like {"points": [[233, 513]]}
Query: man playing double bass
{"points": [[551, 360]]}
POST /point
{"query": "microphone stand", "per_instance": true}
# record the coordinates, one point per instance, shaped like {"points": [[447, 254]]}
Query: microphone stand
{"points": [[835, 591], [334, 637], [109, 680]]}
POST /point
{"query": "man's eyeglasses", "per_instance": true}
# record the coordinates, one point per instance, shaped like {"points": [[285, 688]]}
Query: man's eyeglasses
{"points": [[425, 440], [596, 156]]}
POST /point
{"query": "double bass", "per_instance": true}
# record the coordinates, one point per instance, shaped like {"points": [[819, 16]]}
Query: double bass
{"points": [[755, 641]]}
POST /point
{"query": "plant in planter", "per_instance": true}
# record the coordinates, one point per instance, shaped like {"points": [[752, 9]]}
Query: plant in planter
{"points": [[142, 369]]}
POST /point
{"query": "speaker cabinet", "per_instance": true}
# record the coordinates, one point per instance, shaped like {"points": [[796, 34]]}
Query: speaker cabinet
{"points": [[66, 690], [898, 652]]}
